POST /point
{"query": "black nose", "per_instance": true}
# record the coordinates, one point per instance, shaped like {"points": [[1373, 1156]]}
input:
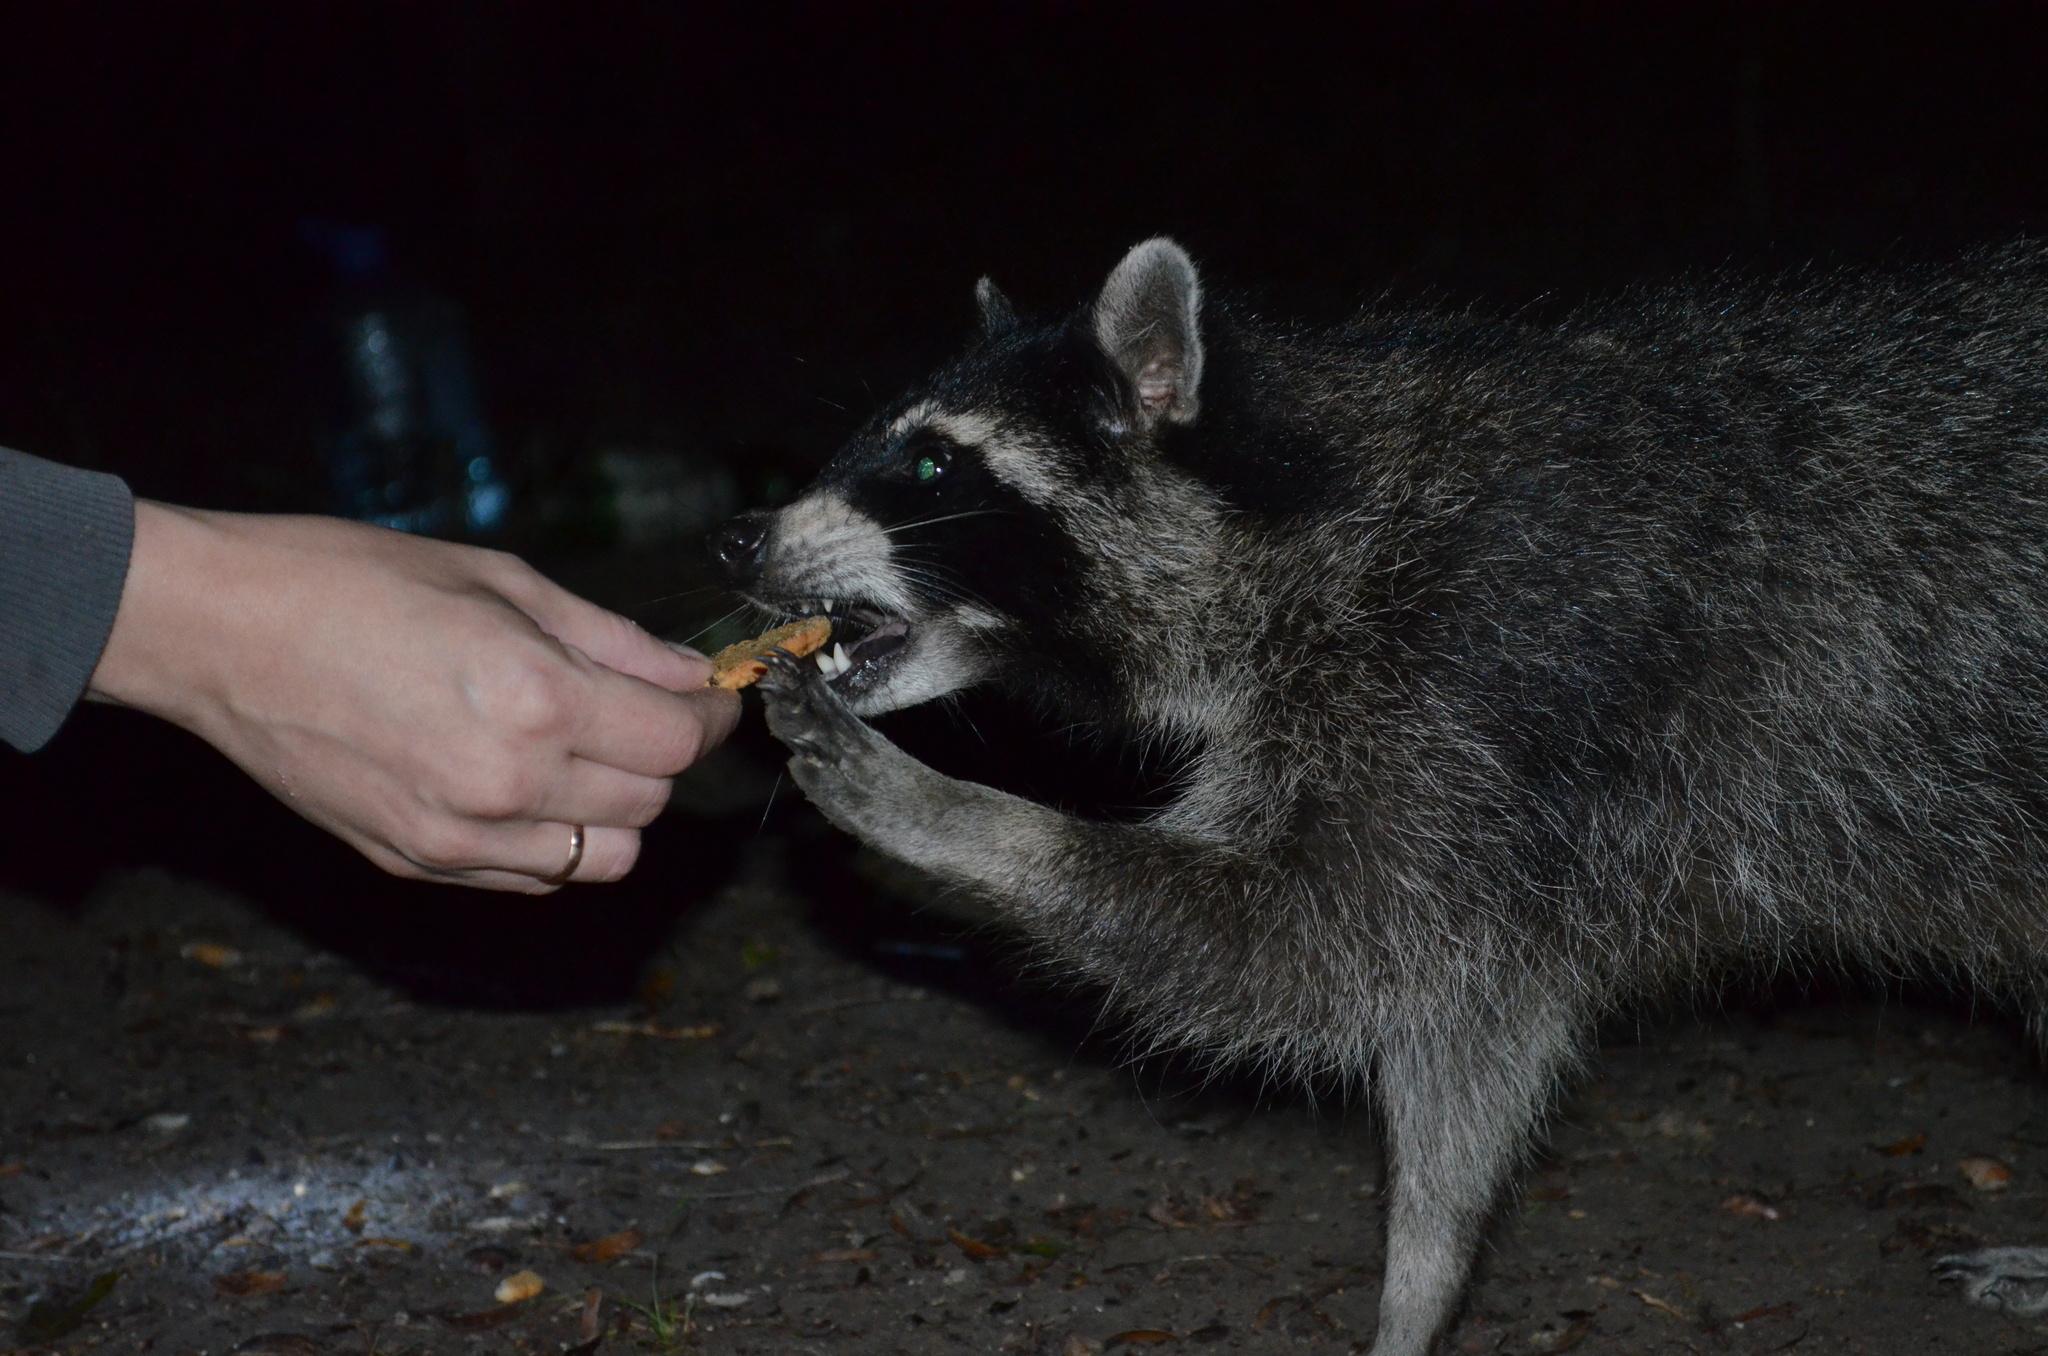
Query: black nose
{"points": [[737, 548]]}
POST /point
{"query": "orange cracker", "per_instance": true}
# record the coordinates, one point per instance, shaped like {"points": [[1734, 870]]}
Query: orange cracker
{"points": [[737, 666]]}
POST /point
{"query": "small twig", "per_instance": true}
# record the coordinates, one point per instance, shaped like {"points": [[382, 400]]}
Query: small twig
{"points": [[826, 1180]]}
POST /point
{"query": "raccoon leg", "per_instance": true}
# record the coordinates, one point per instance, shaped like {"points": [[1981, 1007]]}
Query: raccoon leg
{"points": [[889, 800], [1457, 1104]]}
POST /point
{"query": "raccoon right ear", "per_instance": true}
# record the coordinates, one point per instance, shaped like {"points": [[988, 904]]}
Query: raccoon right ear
{"points": [[1147, 320], [997, 314]]}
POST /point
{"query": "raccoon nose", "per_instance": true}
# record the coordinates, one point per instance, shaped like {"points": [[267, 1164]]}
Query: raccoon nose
{"points": [[737, 548]]}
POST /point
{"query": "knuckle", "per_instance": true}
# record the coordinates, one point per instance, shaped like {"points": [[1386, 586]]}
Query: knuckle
{"points": [[507, 792], [530, 697], [440, 846]]}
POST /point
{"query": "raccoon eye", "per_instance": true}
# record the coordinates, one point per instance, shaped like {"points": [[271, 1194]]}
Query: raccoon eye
{"points": [[930, 468]]}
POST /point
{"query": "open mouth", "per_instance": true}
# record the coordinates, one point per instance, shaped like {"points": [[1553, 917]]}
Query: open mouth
{"points": [[866, 641]]}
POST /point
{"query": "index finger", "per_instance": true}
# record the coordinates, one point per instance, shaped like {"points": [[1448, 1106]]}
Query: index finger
{"points": [[612, 640], [637, 726]]}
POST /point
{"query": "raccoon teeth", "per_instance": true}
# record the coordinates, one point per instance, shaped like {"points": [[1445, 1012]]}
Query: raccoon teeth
{"points": [[825, 604], [839, 658]]}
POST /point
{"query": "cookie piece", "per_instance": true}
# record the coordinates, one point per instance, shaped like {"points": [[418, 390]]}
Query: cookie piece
{"points": [[737, 666]]}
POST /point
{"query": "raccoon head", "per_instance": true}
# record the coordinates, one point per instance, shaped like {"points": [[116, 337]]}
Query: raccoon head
{"points": [[1002, 519]]}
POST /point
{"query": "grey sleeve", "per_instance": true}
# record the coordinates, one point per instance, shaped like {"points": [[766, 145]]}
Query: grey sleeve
{"points": [[64, 541]]}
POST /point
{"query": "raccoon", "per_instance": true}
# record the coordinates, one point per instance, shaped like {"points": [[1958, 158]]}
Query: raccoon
{"points": [[1518, 669]]}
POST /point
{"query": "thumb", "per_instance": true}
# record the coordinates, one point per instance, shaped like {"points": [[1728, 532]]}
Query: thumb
{"points": [[614, 641]]}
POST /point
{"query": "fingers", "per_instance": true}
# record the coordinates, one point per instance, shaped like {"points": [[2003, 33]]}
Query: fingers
{"points": [[608, 638], [523, 858], [634, 725], [587, 792]]}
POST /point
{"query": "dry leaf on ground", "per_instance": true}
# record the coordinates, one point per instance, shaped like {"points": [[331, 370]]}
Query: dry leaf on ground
{"points": [[239, 1283], [974, 1248], [1985, 1174], [520, 1285], [1750, 1206], [611, 1246]]}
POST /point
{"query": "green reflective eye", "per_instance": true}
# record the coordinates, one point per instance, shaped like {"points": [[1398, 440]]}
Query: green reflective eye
{"points": [[928, 469]]}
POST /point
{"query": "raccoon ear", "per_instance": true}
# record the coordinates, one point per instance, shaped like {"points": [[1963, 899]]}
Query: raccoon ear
{"points": [[1147, 320], [997, 314]]}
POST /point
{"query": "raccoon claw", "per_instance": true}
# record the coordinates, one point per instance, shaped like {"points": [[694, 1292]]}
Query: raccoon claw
{"points": [[805, 714]]}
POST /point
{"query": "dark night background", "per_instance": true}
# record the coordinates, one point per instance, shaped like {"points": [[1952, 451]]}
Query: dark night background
{"points": [[728, 231]]}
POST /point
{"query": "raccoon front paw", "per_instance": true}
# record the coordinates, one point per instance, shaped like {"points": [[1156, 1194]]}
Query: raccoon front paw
{"points": [[804, 713], [2014, 1280], [841, 764]]}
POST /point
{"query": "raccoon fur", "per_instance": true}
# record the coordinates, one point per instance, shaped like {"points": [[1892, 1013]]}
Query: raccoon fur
{"points": [[1519, 669]]}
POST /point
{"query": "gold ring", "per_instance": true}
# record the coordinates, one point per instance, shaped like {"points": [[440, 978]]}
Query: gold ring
{"points": [[575, 858]]}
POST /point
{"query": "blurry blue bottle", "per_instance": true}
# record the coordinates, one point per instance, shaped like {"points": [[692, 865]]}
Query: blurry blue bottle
{"points": [[404, 438]]}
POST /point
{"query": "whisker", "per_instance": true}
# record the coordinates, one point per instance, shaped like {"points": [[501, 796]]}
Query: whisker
{"points": [[672, 597], [715, 623], [947, 518]]}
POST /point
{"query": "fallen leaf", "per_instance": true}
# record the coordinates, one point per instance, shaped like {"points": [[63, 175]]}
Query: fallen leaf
{"points": [[240, 1283], [396, 1244], [590, 1325], [48, 1320], [1663, 1305], [846, 1255], [265, 1035], [277, 1344], [520, 1285], [1215, 1332], [1077, 1345], [1169, 1213], [211, 954], [1139, 1337], [1750, 1206], [11, 1169], [708, 1167], [353, 1220], [1241, 1206], [602, 1250], [1985, 1174], [1764, 1311], [974, 1248], [1911, 1144], [702, 1031]]}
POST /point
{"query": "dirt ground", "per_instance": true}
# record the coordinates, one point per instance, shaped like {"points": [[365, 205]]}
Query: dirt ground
{"points": [[757, 1101], [793, 1145]]}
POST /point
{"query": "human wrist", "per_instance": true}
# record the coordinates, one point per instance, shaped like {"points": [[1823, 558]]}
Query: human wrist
{"points": [[167, 634]]}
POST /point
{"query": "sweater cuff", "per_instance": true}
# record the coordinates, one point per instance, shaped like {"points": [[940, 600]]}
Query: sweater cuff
{"points": [[65, 535]]}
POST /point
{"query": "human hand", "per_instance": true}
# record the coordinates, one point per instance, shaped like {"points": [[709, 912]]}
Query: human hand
{"points": [[444, 709]]}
